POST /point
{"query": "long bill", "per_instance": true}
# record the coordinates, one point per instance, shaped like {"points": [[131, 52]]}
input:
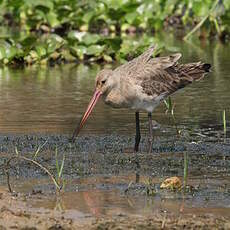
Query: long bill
{"points": [[89, 109]]}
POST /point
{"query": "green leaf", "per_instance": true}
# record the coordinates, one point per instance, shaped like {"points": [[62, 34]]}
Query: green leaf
{"points": [[78, 51], [131, 17], [107, 58], [2, 53], [33, 54], [28, 41], [11, 52], [62, 166], [52, 19], [87, 16], [76, 35], [95, 50], [90, 39], [35, 3], [227, 4], [54, 43], [41, 51]]}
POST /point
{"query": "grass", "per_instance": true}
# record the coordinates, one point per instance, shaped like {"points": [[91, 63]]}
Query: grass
{"points": [[58, 181], [185, 171], [170, 109], [209, 14], [224, 122], [59, 170]]}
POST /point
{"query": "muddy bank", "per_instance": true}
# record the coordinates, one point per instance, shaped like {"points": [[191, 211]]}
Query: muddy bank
{"points": [[16, 214], [111, 154]]}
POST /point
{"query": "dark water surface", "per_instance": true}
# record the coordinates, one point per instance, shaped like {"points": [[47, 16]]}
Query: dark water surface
{"points": [[51, 100]]}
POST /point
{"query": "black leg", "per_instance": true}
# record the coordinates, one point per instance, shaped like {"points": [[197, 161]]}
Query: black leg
{"points": [[150, 132], [138, 133]]}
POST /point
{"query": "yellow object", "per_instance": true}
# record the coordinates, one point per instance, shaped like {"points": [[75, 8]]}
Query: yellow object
{"points": [[171, 183]]}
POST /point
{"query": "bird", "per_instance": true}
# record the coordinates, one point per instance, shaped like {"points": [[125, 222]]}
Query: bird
{"points": [[141, 84]]}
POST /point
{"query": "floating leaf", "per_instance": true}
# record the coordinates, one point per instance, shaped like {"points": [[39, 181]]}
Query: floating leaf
{"points": [[52, 19], [78, 51], [2, 53], [95, 50], [76, 35], [107, 58], [90, 39], [41, 51], [11, 52]]}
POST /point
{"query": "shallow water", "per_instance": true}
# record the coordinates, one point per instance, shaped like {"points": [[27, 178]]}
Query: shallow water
{"points": [[51, 100], [104, 178], [105, 196]]}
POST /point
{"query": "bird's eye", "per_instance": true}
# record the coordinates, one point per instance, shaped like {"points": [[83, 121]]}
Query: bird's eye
{"points": [[103, 82]]}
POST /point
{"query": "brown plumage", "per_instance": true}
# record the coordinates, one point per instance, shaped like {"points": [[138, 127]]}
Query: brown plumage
{"points": [[142, 84], [162, 75]]}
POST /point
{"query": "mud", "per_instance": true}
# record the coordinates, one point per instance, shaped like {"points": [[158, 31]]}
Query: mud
{"points": [[107, 186]]}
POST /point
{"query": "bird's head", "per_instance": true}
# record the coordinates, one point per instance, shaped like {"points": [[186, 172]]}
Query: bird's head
{"points": [[103, 84], [104, 81]]}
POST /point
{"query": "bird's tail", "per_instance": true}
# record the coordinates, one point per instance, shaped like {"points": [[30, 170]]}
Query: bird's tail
{"points": [[193, 71]]}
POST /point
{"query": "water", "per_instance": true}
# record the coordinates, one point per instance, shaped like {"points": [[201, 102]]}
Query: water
{"points": [[105, 196], [52, 100]]}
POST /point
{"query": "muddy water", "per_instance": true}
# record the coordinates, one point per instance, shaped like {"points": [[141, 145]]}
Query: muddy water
{"points": [[115, 195], [52, 100]]}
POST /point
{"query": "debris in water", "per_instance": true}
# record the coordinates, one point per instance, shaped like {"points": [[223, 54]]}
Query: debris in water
{"points": [[171, 183]]}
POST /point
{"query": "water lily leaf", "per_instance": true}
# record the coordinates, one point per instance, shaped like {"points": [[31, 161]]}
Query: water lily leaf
{"points": [[131, 17], [33, 54], [89, 39], [107, 58], [29, 41], [114, 43], [87, 16], [95, 50], [76, 35], [35, 3], [41, 51], [2, 53], [227, 4], [52, 19], [54, 43], [11, 52], [78, 51]]}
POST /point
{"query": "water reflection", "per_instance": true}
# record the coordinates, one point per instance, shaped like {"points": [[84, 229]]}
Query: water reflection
{"points": [[105, 196], [52, 100]]}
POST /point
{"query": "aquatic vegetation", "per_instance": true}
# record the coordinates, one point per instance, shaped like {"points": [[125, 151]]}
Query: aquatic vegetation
{"points": [[185, 170], [170, 109], [58, 182], [59, 169], [224, 122], [58, 31], [150, 187]]}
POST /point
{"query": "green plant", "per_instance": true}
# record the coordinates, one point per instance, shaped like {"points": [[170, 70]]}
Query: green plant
{"points": [[224, 122], [170, 109], [212, 17], [58, 182], [149, 187], [185, 170], [59, 170], [37, 151], [58, 31]]}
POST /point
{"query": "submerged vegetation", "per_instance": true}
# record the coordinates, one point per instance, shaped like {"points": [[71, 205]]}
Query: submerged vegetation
{"points": [[54, 31]]}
